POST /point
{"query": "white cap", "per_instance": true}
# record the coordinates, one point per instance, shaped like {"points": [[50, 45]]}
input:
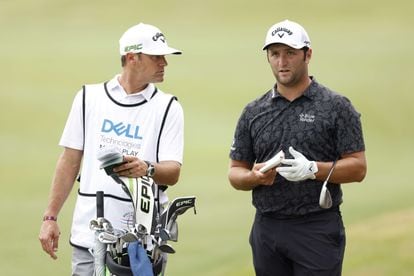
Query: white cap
{"points": [[289, 33], [147, 39]]}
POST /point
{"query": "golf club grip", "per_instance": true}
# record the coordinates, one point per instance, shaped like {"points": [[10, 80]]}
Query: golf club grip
{"points": [[99, 204]]}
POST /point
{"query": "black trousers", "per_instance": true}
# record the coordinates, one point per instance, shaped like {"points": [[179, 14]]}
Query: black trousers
{"points": [[309, 245]]}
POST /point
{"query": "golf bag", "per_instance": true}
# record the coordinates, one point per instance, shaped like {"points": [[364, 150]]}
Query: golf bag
{"points": [[153, 227]]}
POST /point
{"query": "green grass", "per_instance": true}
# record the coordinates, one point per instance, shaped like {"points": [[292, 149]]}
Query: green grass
{"points": [[49, 49], [380, 241]]}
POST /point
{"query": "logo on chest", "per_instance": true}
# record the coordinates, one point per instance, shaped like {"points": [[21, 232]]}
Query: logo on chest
{"points": [[121, 129], [308, 118]]}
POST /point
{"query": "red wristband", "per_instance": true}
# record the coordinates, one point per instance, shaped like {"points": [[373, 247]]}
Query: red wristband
{"points": [[45, 218]]}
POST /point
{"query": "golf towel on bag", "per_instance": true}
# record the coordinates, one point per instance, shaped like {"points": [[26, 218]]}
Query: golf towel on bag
{"points": [[139, 261]]}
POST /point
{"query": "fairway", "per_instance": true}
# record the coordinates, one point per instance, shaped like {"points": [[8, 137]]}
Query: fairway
{"points": [[361, 49]]}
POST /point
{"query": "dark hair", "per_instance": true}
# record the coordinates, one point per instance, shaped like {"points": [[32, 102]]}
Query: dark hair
{"points": [[123, 60], [305, 50]]}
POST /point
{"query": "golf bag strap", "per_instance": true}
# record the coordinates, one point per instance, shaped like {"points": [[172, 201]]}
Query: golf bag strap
{"points": [[173, 98]]}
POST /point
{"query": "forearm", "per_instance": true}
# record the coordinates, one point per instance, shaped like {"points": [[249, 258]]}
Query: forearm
{"points": [[67, 169], [245, 176], [350, 168], [242, 178], [167, 172]]}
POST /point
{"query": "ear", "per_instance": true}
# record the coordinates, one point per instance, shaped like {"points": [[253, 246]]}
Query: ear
{"points": [[132, 57], [267, 55], [308, 55]]}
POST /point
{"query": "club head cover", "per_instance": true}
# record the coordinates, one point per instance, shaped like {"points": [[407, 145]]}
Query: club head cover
{"points": [[110, 158]]}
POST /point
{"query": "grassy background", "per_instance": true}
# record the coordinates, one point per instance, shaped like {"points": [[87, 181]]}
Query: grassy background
{"points": [[362, 49]]}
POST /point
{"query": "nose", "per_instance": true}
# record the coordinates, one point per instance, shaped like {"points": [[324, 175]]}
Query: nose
{"points": [[163, 61], [283, 59]]}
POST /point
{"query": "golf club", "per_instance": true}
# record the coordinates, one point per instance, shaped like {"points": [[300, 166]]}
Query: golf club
{"points": [[99, 248], [325, 199]]}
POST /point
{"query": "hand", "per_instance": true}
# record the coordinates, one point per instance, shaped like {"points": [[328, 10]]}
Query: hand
{"points": [[266, 178], [300, 167], [132, 167], [49, 237]]}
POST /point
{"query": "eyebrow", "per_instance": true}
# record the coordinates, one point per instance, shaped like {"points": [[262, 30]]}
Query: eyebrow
{"points": [[282, 49]]}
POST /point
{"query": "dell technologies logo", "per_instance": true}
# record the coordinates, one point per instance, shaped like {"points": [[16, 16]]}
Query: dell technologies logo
{"points": [[121, 129]]}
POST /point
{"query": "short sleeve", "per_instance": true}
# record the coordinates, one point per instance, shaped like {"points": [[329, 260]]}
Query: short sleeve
{"points": [[348, 128], [172, 137], [72, 136], [242, 146]]}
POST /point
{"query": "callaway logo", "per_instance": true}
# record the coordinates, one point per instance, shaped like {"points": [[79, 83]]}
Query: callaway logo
{"points": [[121, 129], [159, 36], [283, 30]]}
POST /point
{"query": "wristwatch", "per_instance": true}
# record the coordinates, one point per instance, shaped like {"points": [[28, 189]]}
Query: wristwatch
{"points": [[150, 169]]}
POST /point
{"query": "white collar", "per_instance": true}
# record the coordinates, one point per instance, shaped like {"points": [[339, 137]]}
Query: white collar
{"points": [[119, 94]]}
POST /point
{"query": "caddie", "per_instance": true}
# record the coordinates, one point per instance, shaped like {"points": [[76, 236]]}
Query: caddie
{"points": [[127, 112]]}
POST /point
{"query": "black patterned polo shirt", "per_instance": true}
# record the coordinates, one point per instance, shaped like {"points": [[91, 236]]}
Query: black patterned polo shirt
{"points": [[320, 124]]}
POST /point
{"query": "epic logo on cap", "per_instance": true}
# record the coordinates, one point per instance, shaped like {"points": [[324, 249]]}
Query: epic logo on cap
{"points": [[135, 47]]}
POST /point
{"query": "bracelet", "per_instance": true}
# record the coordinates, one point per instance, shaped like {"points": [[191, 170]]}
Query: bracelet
{"points": [[45, 218]]}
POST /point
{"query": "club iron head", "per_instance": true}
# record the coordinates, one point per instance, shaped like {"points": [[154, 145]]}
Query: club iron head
{"points": [[105, 237], [166, 248], [129, 237], [325, 199], [100, 224], [165, 234], [94, 225], [173, 231]]}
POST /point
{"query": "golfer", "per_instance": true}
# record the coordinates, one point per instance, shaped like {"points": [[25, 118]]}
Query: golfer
{"points": [[314, 126], [128, 113]]}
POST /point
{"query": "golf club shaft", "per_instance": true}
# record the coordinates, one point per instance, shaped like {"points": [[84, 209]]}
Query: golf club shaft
{"points": [[99, 204]]}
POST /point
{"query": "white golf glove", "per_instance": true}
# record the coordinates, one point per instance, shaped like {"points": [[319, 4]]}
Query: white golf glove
{"points": [[300, 167]]}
